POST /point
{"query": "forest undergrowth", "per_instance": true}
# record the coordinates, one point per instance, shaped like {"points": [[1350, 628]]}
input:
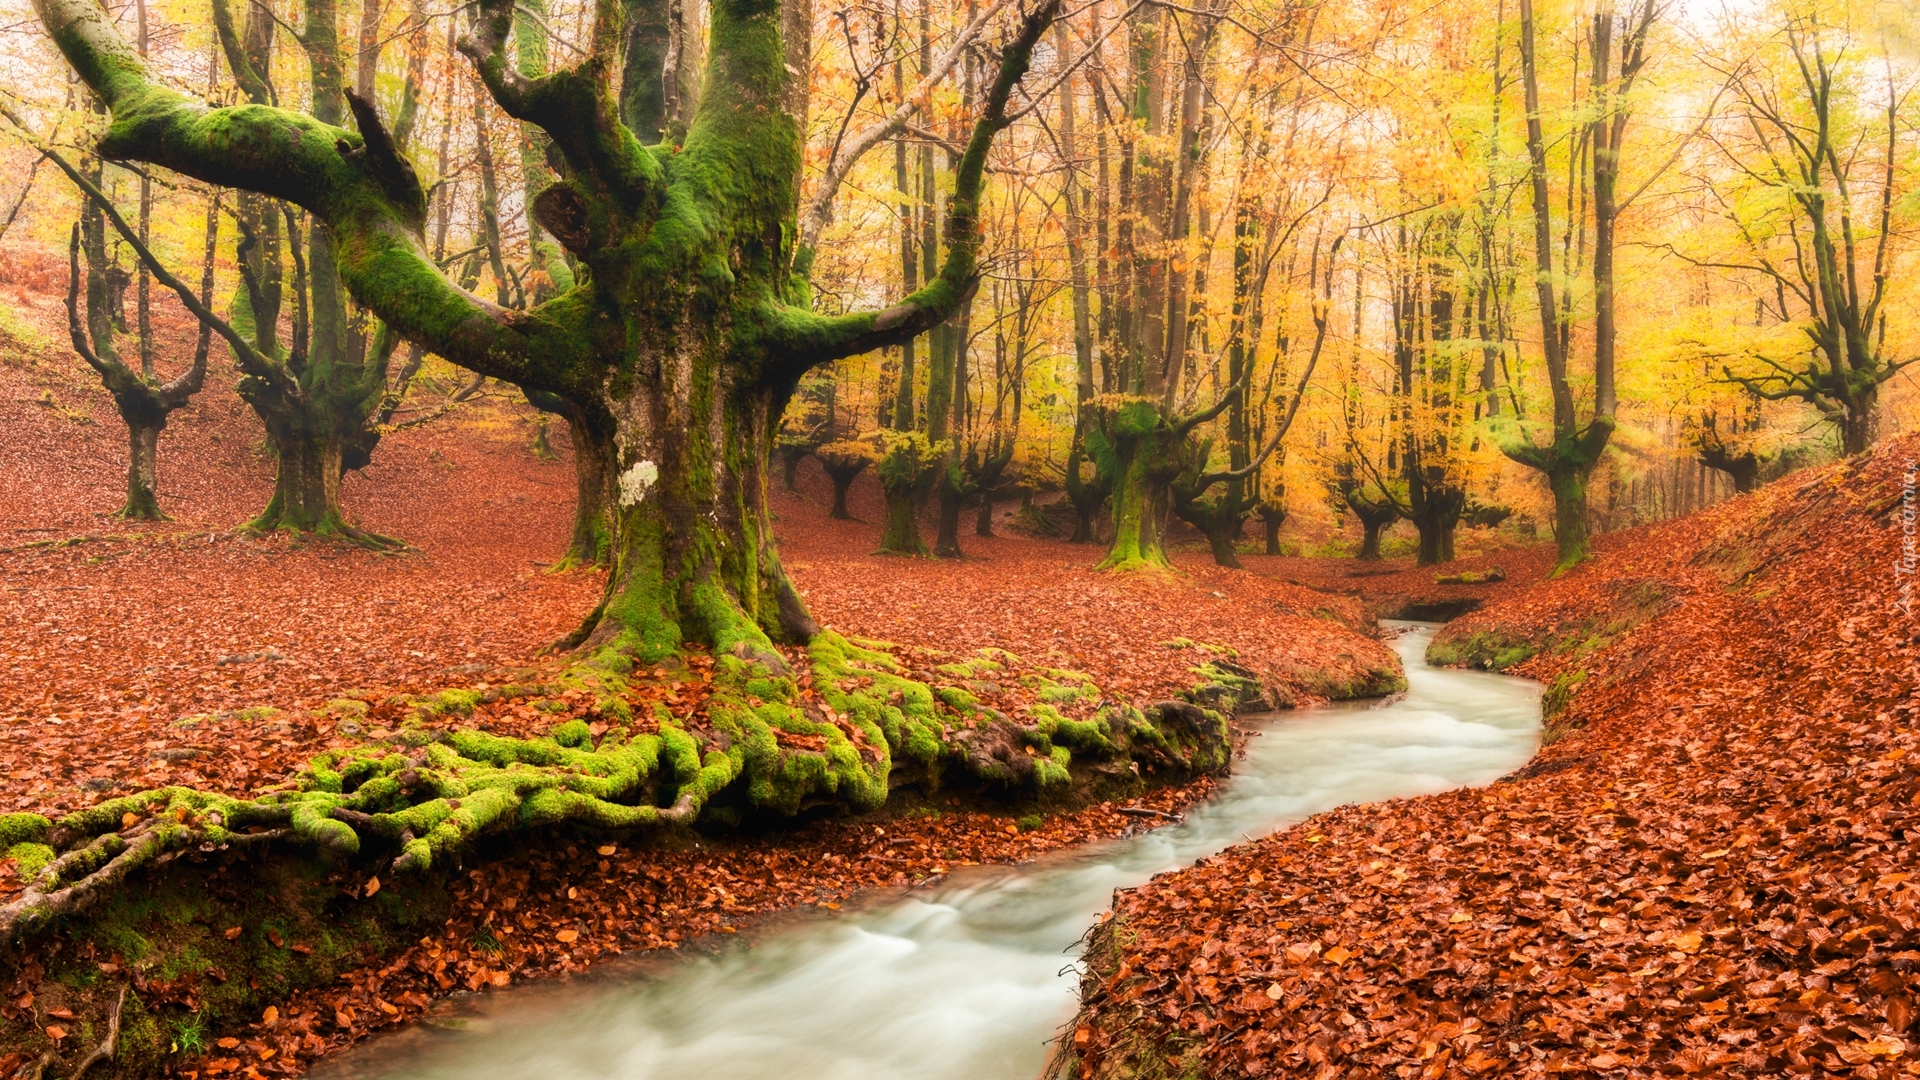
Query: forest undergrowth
{"points": [[1708, 870], [189, 653]]}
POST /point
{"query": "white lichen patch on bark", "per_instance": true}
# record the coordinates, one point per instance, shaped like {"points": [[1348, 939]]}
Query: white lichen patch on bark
{"points": [[636, 480]]}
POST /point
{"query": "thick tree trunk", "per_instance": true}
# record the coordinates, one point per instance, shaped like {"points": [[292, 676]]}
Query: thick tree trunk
{"points": [[1370, 538], [693, 553], [593, 485], [790, 459], [1219, 518], [1139, 509], [1742, 469], [1088, 495], [306, 486], [1146, 454], [902, 533], [592, 475], [1435, 515], [842, 480], [1436, 543], [908, 468], [1857, 423], [841, 468], [946, 542], [1220, 540], [143, 451], [1568, 481]]}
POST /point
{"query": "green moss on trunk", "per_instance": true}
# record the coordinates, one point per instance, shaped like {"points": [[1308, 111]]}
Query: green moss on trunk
{"points": [[1148, 453]]}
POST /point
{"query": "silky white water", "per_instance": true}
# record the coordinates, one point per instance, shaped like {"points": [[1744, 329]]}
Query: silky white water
{"points": [[967, 979]]}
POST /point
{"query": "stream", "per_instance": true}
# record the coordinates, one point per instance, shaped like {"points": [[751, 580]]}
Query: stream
{"points": [[969, 978]]}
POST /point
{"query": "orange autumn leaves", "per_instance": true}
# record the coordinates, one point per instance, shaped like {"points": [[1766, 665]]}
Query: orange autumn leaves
{"points": [[1711, 876]]}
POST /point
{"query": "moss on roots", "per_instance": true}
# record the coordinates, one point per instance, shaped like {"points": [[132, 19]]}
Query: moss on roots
{"points": [[843, 732]]}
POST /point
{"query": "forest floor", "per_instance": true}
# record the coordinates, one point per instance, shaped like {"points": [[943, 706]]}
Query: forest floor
{"points": [[1708, 871], [187, 652]]}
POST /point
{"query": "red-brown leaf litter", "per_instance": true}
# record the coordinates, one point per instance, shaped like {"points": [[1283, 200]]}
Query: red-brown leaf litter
{"points": [[190, 652], [1705, 872], [1708, 873]]}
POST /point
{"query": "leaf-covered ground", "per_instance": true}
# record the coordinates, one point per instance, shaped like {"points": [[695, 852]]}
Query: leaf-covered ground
{"points": [[1136, 634], [186, 653], [116, 632], [1710, 872]]}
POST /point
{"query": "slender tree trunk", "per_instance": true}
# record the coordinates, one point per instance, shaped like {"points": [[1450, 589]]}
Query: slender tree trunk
{"points": [[1273, 520]]}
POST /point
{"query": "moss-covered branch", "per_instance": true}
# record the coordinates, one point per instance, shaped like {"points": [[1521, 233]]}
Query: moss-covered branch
{"points": [[576, 107], [371, 202], [806, 339]]}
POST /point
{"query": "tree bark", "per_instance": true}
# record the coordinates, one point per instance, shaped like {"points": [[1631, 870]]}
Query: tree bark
{"points": [[143, 451], [1273, 518], [695, 369]]}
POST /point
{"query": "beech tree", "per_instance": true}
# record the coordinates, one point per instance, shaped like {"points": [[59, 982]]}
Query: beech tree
{"points": [[1823, 156], [1574, 446], [143, 400], [689, 326]]}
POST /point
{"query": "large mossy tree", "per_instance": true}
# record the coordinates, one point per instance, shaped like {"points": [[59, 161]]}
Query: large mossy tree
{"points": [[689, 327]]}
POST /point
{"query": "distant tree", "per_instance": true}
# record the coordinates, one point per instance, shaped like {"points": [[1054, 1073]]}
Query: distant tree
{"points": [[592, 475], [806, 426], [1375, 507], [1729, 451], [1574, 447], [844, 460], [142, 399], [1820, 141]]}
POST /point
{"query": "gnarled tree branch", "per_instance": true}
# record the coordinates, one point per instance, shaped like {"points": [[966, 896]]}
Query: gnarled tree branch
{"points": [[330, 172]]}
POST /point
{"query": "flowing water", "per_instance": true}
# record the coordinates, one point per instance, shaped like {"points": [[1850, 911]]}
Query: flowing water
{"points": [[969, 978]]}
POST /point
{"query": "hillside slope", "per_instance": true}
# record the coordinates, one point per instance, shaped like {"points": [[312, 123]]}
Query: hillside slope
{"points": [[1707, 872]]}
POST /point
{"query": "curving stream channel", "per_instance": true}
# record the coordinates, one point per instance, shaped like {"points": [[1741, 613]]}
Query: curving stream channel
{"points": [[967, 979]]}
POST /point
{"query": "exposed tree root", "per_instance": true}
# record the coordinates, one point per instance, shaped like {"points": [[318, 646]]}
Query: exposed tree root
{"points": [[338, 531], [108, 1046], [767, 742], [39, 1067]]}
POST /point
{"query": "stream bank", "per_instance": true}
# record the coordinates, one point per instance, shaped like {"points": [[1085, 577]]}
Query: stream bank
{"points": [[1710, 872], [959, 978]]}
